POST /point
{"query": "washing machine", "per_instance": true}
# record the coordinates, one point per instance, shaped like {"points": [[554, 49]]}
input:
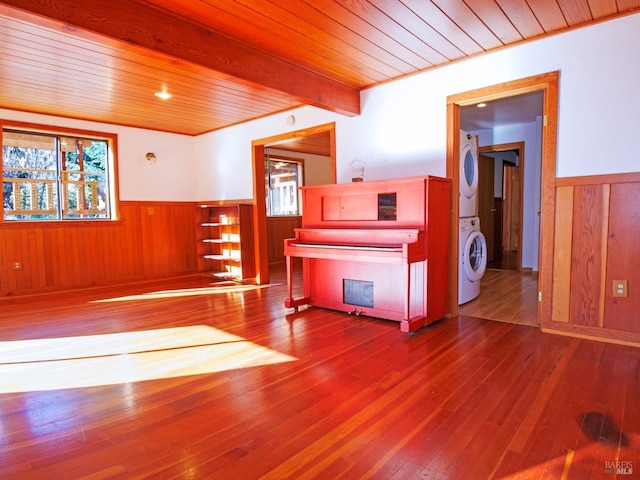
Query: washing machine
{"points": [[472, 259], [468, 175]]}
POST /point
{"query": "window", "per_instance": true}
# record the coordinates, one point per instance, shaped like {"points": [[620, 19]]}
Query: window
{"points": [[47, 176], [283, 177]]}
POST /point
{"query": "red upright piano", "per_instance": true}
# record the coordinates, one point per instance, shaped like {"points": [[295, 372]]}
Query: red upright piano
{"points": [[377, 248]]}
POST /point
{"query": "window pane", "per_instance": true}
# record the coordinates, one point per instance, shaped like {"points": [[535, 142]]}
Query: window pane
{"points": [[29, 177], [282, 188], [84, 178], [49, 177]]}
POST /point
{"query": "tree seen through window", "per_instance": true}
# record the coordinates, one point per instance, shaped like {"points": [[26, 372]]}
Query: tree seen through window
{"points": [[54, 177]]}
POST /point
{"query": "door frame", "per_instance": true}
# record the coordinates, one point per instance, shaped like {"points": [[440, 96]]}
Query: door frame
{"points": [[259, 205], [548, 84]]}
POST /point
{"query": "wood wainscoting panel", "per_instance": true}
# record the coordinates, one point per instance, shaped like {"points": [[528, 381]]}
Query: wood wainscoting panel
{"points": [[151, 240], [623, 258], [278, 229], [597, 226], [586, 257], [562, 255]]}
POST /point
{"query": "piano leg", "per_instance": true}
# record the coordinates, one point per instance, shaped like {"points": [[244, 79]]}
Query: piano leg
{"points": [[415, 316], [290, 302], [411, 325], [407, 297]]}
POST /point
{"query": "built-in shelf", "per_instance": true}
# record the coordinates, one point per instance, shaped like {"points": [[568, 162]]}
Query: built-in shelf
{"points": [[225, 241], [217, 224], [219, 240], [226, 258]]}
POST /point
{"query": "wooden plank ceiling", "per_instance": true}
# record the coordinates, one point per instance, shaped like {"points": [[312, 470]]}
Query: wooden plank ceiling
{"points": [[230, 61]]}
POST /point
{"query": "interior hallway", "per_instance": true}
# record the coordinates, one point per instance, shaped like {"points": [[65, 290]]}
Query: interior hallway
{"points": [[507, 296]]}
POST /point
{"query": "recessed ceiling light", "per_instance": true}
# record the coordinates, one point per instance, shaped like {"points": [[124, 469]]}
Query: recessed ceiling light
{"points": [[164, 95], [481, 105]]}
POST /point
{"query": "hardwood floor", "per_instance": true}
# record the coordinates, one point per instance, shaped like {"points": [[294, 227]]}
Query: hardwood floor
{"points": [[504, 261], [507, 296], [186, 380]]}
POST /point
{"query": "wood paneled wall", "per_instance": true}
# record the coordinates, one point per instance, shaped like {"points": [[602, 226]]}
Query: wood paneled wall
{"points": [[597, 232], [151, 240], [278, 229]]}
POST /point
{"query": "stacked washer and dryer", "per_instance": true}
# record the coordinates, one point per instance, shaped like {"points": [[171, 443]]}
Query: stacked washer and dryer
{"points": [[473, 246]]}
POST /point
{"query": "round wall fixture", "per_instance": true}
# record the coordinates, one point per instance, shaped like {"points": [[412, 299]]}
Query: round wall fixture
{"points": [[291, 120]]}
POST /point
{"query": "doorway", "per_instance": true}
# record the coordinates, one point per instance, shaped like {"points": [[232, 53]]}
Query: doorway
{"points": [[547, 84], [308, 140], [500, 203]]}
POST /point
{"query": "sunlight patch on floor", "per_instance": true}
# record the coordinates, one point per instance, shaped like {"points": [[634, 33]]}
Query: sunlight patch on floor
{"points": [[185, 292], [109, 359]]}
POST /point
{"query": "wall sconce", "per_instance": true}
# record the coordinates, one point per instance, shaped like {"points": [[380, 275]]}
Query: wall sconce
{"points": [[151, 157]]}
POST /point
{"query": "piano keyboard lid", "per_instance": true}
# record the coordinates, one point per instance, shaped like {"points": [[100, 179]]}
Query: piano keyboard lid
{"points": [[362, 238]]}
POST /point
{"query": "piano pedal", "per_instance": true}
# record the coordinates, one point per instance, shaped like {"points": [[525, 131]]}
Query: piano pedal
{"points": [[355, 312]]}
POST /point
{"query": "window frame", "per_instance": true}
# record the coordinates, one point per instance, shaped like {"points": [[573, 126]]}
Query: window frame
{"points": [[300, 182], [112, 170]]}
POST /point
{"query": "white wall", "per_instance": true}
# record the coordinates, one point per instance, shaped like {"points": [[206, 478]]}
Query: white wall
{"points": [[317, 168], [225, 170], [402, 128], [171, 178]]}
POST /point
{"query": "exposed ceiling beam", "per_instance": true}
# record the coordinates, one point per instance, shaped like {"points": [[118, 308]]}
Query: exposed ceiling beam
{"points": [[140, 25]]}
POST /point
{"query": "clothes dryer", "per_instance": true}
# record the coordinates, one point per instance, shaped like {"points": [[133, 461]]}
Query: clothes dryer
{"points": [[472, 259], [468, 175]]}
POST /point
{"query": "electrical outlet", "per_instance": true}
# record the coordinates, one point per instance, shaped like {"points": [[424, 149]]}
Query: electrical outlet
{"points": [[620, 288], [17, 265]]}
